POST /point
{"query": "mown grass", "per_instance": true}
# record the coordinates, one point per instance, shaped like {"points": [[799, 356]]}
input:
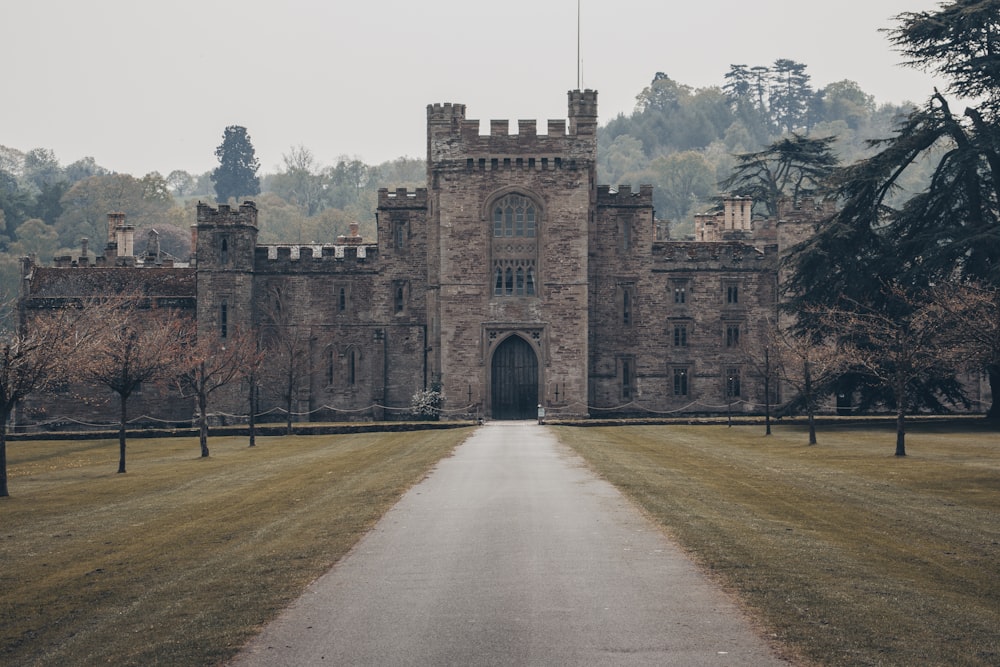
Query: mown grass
{"points": [[180, 560], [847, 554]]}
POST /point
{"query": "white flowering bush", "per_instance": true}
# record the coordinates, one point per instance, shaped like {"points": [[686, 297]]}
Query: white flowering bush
{"points": [[427, 403]]}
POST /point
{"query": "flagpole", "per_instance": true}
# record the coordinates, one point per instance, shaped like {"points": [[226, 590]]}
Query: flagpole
{"points": [[579, 85]]}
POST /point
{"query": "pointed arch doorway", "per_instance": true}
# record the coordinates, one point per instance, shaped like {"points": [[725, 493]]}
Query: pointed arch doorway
{"points": [[514, 380]]}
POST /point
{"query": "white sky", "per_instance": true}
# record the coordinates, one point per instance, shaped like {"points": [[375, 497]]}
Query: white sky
{"points": [[144, 86]]}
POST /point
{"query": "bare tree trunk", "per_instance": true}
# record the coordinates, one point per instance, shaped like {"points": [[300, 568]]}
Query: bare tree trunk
{"points": [[288, 415], [767, 392], [121, 433], [3, 456], [993, 373], [810, 403], [900, 432], [203, 426], [900, 417], [252, 419]]}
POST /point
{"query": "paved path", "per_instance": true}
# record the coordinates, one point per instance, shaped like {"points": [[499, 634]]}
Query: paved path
{"points": [[511, 553]]}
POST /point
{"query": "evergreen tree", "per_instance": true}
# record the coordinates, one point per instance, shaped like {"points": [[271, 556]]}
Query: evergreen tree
{"points": [[236, 175], [793, 167], [951, 229]]}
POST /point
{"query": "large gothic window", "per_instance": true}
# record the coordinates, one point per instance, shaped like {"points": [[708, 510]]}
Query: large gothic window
{"points": [[514, 215], [515, 247]]}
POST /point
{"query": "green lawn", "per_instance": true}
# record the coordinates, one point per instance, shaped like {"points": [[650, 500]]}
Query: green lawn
{"points": [[847, 554], [180, 560]]}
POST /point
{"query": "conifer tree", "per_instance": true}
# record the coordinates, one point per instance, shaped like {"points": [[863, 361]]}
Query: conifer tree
{"points": [[236, 175]]}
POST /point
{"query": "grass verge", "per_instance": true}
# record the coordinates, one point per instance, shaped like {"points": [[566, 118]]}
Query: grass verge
{"points": [[847, 554], [181, 560]]}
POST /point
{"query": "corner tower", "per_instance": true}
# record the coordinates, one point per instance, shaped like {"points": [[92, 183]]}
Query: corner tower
{"points": [[508, 230]]}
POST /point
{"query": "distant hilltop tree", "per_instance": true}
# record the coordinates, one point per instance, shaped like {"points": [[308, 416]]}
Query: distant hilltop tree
{"points": [[236, 175]]}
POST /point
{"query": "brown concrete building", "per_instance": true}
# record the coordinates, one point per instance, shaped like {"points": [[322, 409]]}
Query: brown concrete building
{"points": [[513, 280]]}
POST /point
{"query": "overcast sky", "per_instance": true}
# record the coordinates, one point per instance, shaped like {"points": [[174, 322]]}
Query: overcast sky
{"points": [[145, 86]]}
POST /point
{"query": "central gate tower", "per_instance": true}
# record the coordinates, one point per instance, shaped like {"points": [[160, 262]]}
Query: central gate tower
{"points": [[509, 224]]}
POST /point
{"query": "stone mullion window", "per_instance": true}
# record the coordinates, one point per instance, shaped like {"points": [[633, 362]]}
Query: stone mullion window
{"points": [[515, 226]]}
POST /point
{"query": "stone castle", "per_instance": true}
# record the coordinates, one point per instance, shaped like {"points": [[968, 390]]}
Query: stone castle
{"points": [[512, 281]]}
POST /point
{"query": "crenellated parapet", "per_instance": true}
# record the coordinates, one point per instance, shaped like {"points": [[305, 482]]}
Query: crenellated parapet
{"points": [[623, 196], [315, 258], [402, 199], [699, 255], [456, 140], [798, 221], [244, 214]]}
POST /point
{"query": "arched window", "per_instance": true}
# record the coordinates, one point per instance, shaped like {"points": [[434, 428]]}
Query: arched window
{"points": [[514, 215], [515, 248], [224, 250], [331, 357]]}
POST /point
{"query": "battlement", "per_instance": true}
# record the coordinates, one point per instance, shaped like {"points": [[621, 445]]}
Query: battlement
{"points": [[446, 113], [246, 214], [314, 258], [451, 137], [710, 254], [623, 196], [806, 209], [401, 198]]}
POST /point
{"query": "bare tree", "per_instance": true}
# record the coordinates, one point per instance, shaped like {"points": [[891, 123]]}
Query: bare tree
{"points": [[808, 360], [211, 365], [33, 359], [898, 344], [136, 344], [760, 352], [286, 350], [974, 311]]}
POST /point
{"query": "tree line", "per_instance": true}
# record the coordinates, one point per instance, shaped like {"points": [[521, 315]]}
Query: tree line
{"points": [[898, 288], [46, 208]]}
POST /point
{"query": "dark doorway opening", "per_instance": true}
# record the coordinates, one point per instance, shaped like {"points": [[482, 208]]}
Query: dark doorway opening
{"points": [[514, 377]]}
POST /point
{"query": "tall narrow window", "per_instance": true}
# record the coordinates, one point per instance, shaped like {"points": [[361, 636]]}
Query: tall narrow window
{"points": [[529, 288], [400, 299], [331, 357], [509, 282], [498, 287], [351, 361], [626, 308], [680, 335], [519, 282], [680, 293], [400, 235], [223, 319], [680, 382], [732, 335], [342, 299], [224, 250], [732, 382], [626, 378], [732, 293]]}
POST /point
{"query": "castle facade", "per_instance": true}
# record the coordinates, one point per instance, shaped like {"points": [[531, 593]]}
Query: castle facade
{"points": [[512, 281]]}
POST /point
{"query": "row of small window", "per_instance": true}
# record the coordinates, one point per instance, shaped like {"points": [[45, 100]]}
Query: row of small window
{"points": [[681, 383], [731, 292], [681, 336], [514, 282]]}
